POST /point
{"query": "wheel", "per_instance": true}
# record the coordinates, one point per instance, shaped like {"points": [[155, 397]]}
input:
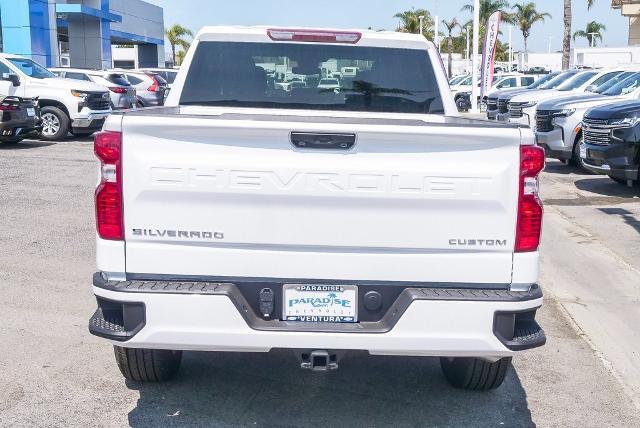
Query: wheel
{"points": [[474, 374], [147, 365], [55, 124], [577, 159]]}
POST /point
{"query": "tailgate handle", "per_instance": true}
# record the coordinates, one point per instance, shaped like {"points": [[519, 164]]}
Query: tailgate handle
{"points": [[323, 141]]}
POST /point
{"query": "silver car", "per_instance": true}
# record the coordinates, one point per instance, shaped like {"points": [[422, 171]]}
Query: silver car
{"points": [[122, 93], [150, 87]]}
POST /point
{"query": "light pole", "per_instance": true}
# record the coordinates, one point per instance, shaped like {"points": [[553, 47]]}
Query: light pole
{"points": [[510, 48], [475, 90], [549, 50], [421, 18], [436, 36], [468, 48]]}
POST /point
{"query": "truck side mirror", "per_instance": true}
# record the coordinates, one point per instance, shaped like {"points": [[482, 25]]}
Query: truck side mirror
{"points": [[10, 77]]}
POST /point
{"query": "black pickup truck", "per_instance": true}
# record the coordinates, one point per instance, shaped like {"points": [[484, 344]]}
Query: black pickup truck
{"points": [[19, 118], [612, 141]]}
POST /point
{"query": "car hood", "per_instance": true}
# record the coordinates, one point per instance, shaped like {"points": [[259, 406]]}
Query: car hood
{"points": [[571, 101], [507, 92], [615, 110], [78, 85]]}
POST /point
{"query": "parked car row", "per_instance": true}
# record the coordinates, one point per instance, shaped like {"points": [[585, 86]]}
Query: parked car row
{"points": [[461, 87], [67, 100], [586, 117]]}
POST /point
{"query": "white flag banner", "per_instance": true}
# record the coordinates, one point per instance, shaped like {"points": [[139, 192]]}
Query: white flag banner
{"points": [[489, 52]]}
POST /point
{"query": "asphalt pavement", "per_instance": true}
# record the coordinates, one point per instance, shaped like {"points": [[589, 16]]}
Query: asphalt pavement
{"points": [[53, 373]]}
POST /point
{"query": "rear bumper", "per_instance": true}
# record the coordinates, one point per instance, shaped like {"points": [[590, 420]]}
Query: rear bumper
{"points": [[423, 321]]}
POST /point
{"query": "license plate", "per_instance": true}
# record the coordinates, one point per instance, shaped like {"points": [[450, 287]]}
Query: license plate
{"points": [[320, 303], [583, 151], [31, 112]]}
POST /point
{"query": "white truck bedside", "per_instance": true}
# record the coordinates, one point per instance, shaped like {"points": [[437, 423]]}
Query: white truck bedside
{"points": [[244, 217]]}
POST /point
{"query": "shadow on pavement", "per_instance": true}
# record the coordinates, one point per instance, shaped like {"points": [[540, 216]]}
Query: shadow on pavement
{"points": [[557, 167], [603, 185], [26, 144], [227, 389], [626, 215]]}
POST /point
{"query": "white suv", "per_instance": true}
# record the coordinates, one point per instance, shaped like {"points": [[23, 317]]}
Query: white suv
{"points": [[67, 105]]}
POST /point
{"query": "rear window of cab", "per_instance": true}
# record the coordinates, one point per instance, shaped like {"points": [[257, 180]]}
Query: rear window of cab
{"points": [[367, 79]]}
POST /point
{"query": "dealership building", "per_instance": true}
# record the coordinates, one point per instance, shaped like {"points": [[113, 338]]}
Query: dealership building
{"points": [[81, 33]]}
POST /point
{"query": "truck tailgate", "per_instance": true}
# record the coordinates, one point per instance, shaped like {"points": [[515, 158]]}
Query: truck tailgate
{"points": [[231, 197]]}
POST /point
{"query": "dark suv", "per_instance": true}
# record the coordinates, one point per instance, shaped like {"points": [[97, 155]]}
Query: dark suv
{"points": [[611, 143], [19, 118]]}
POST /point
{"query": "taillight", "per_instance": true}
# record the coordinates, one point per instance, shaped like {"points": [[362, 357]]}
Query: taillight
{"points": [[529, 224], [117, 90], [109, 222], [320, 36], [155, 85], [7, 107]]}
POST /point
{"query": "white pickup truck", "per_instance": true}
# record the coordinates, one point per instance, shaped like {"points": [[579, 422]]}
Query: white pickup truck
{"points": [[242, 217]]}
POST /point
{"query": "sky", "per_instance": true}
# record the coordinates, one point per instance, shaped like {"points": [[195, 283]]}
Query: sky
{"points": [[378, 14]]}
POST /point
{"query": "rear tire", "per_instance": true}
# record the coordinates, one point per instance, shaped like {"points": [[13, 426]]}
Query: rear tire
{"points": [[475, 374], [147, 365]]}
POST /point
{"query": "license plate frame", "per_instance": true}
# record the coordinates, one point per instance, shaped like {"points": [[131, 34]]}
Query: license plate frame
{"points": [[330, 303], [31, 112]]}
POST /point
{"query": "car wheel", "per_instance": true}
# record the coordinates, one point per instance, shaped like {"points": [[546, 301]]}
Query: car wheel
{"points": [[55, 124], [475, 374], [577, 159], [147, 365]]}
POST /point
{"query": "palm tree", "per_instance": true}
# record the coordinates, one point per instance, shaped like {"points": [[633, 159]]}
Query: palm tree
{"points": [[592, 33], [566, 41], [488, 7], [450, 25], [526, 15], [410, 22], [176, 35]]}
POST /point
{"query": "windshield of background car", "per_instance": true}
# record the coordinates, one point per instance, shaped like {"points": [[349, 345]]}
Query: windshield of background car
{"points": [[612, 82], [558, 80], [541, 81], [31, 69], [628, 85], [161, 80], [256, 74], [118, 79], [170, 76], [457, 80], [576, 81]]}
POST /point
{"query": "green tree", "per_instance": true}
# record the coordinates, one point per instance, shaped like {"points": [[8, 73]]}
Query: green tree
{"points": [[525, 16], [450, 26], [177, 36], [592, 33], [488, 7], [410, 22]]}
